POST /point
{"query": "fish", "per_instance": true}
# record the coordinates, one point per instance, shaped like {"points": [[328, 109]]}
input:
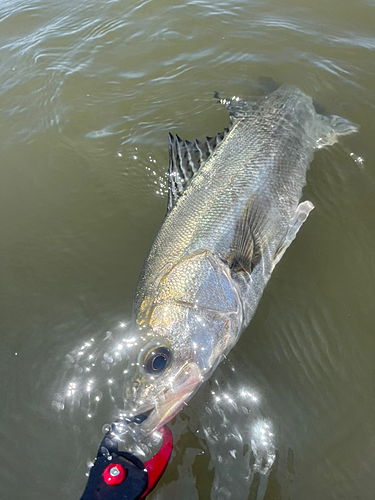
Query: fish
{"points": [[233, 209]]}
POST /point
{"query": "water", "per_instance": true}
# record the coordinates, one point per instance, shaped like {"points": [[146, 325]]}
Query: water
{"points": [[88, 92]]}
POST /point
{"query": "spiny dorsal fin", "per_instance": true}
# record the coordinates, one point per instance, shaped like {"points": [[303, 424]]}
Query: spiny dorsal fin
{"points": [[252, 236], [185, 159]]}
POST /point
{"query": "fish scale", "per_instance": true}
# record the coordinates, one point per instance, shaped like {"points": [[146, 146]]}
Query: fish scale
{"points": [[251, 159], [233, 209]]}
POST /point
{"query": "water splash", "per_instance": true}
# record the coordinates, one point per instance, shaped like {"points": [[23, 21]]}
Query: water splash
{"points": [[92, 372], [240, 437]]}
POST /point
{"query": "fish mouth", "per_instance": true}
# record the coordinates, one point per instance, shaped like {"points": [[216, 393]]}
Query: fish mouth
{"points": [[170, 402], [140, 418]]}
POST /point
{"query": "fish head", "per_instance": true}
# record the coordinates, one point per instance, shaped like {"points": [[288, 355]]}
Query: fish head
{"points": [[181, 339], [172, 360]]}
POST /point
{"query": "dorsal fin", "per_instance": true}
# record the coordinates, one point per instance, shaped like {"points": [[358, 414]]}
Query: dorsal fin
{"points": [[236, 107], [185, 159]]}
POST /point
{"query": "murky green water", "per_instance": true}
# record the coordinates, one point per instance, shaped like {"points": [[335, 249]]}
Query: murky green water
{"points": [[88, 92]]}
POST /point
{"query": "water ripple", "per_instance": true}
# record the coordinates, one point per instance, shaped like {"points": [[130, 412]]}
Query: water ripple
{"points": [[88, 92]]}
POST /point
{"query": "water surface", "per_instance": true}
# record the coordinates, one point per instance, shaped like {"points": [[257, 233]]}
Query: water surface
{"points": [[88, 92]]}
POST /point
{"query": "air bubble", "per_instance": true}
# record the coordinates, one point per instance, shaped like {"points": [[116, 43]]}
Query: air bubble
{"points": [[58, 406], [106, 428], [107, 357], [105, 365]]}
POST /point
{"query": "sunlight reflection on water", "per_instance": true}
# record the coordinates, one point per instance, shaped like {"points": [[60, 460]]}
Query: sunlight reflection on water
{"points": [[89, 91], [240, 437]]}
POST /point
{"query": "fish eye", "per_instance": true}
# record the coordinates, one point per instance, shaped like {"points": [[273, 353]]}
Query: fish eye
{"points": [[157, 360]]}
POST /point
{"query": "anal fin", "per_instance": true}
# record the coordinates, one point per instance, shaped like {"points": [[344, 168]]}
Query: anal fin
{"points": [[295, 224]]}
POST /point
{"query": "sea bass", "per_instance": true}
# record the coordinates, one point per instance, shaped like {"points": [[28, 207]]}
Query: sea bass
{"points": [[233, 209]]}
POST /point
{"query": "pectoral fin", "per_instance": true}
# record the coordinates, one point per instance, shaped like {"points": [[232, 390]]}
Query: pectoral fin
{"points": [[295, 224], [252, 236]]}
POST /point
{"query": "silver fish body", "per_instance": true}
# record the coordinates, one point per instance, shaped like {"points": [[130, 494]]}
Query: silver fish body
{"points": [[231, 216]]}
